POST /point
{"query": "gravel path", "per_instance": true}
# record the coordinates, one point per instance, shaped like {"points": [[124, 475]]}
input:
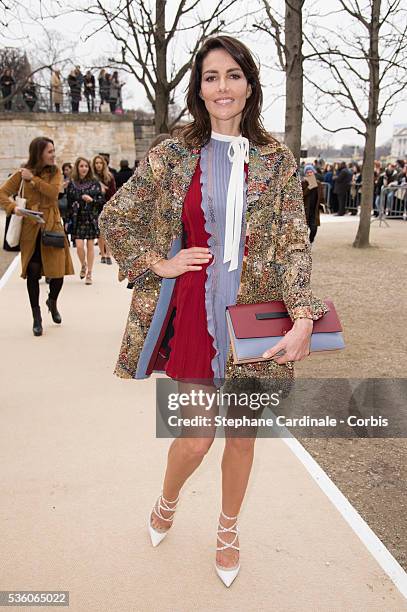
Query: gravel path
{"points": [[369, 290]]}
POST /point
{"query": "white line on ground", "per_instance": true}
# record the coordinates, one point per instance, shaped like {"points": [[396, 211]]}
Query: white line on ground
{"points": [[375, 546], [10, 270]]}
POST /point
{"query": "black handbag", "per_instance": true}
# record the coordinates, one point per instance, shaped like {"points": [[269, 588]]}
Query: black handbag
{"points": [[53, 239], [63, 205]]}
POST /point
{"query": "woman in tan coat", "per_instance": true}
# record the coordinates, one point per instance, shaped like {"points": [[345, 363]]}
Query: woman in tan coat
{"points": [[42, 183], [57, 90]]}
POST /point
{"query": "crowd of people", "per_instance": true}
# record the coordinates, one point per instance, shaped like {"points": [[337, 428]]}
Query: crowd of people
{"points": [[73, 197], [338, 187], [81, 189], [103, 94], [87, 185]]}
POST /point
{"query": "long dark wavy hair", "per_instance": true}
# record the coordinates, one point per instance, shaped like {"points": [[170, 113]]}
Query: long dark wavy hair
{"points": [[198, 132], [35, 151]]}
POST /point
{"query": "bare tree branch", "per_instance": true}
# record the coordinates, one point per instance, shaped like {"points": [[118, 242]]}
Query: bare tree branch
{"points": [[336, 130], [145, 42]]}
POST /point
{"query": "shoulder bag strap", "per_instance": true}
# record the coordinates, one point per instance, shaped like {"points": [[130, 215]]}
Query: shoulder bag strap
{"points": [[21, 189]]}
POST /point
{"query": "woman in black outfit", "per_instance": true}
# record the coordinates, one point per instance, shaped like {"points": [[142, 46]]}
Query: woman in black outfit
{"points": [[85, 199], [313, 193], [342, 183], [90, 91], [62, 197], [30, 94], [6, 83], [104, 87], [75, 86]]}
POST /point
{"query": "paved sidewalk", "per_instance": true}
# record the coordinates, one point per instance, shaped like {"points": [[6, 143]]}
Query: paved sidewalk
{"points": [[81, 468], [6, 257], [331, 218]]}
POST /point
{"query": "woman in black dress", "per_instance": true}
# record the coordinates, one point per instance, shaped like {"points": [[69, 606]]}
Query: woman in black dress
{"points": [[7, 82], [85, 199]]}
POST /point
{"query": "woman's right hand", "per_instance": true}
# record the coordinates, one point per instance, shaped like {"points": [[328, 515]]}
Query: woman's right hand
{"points": [[17, 211], [187, 260]]}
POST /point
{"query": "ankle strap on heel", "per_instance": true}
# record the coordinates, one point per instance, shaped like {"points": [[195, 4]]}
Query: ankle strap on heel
{"points": [[229, 518], [167, 501], [232, 529], [162, 504]]}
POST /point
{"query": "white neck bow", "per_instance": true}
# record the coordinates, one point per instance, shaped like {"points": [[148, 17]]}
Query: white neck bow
{"points": [[238, 154]]}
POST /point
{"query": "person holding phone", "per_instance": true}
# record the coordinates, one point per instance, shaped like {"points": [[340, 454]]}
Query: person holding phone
{"points": [[42, 182], [313, 192]]}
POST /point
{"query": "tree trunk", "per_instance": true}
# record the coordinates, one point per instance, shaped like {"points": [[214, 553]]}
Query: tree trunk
{"points": [[294, 76], [161, 110], [362, 236], [162, 93]]}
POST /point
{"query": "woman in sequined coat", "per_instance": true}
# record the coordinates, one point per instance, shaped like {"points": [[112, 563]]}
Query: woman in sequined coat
{"points": [[168, 229]]}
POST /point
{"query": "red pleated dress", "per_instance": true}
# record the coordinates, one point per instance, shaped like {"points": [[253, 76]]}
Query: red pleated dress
{"points": [[185, 347]]}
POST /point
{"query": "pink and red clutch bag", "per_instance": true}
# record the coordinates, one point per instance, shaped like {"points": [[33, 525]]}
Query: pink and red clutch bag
{"points": [[254, 328]]}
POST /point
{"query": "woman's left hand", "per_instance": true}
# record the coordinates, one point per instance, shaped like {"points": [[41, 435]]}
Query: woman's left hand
{"points": [[87, 198], [26, 174], [295, 344]]}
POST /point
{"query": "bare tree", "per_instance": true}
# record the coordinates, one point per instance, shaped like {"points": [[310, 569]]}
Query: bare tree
{"points": [[365, 73], [147, 43], [6, 11], [18, 62], [288, 39], [13, 18], [27, 58]]}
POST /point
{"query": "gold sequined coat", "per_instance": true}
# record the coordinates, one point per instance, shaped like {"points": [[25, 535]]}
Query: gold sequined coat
{"points": [[142, 224]]}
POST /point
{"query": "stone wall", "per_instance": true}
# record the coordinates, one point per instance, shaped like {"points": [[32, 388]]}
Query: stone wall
{"points": [[144, 132], [74, 134]]}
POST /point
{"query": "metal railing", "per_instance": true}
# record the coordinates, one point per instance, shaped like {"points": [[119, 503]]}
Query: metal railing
{"points": [[44, 101], [392, 203], [353, 199], [327, 195]]}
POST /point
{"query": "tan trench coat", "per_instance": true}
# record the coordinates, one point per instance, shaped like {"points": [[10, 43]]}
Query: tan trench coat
{"points": [[57, 90], [41, 194], [142, 222]]}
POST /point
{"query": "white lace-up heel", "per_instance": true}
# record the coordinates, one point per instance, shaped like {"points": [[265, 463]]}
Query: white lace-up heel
{"points": [[227, 574], [157, 535]]}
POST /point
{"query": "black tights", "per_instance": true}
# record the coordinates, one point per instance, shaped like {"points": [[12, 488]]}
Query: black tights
{"points": [[34, 275]]}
